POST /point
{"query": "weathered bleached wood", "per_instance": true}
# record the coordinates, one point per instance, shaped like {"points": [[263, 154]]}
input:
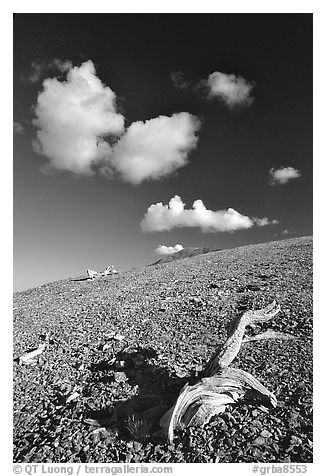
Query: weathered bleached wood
{"points": [[220, 385], [92, 274]]}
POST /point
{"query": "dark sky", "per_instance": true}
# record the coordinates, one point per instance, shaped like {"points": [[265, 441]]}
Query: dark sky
{"points": [[65, 223]]}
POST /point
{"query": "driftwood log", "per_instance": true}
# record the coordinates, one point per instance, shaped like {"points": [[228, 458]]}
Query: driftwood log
{"points": [[219, 384]]}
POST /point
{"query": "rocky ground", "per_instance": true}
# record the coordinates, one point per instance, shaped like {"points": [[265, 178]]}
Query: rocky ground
{"points": [[119, 349]]}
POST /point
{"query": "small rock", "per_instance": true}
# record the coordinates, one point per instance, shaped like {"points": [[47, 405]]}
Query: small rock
{"points": [[259, 441], [195, 299], [71, 397], [181, 373], [114, 335], [295, 440], [119, 337], [120, 377], [137, 446]]}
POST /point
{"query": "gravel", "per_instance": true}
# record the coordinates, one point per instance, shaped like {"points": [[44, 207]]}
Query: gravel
{"points": [[118, 349]]}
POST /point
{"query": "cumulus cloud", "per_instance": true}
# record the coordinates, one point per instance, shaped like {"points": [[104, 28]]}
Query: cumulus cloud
{"points": [[168, 250], [233, 90], [73, 117], [155, 148], [161, 217], [178, 80], [283, 175], [18, 128], [79, 130]]}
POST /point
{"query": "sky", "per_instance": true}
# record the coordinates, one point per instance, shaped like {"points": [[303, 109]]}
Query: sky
{"points": [[138, 134]]}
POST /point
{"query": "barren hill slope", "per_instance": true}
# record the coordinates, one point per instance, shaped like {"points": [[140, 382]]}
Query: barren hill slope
{"points": [[171, 317], [185, 253]]}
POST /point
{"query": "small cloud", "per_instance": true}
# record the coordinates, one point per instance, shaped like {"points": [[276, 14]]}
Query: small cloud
{"points": [[35, 72], [168, 250], [285, 232], [233, 90], [179, 81], [155, 148], [282, 175], [60, 65], [161, 217], [40, 68], [264, 221], [18, 128]]}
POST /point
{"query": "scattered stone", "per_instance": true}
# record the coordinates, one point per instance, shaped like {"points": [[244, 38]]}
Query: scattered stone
{"points": [[137, 446], [72, 397], [120, 377], [115, 336], [248, 287], [260, 441], [185, 333]]}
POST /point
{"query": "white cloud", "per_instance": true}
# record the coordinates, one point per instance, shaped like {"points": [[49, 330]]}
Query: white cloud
{"points": [[264, 221], [73, 117], [168, 250], [155, 148], [283, 175], [179, 81], [35, 73], [233, 90], [285, 232], [18, 128], [60, 65], [161, 217]]}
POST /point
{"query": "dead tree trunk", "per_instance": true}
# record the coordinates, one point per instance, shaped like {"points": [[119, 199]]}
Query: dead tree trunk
{"points": [[220, 384]]}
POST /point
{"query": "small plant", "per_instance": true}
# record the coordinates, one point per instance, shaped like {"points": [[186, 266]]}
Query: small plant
{"points": [[139, 429]]}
